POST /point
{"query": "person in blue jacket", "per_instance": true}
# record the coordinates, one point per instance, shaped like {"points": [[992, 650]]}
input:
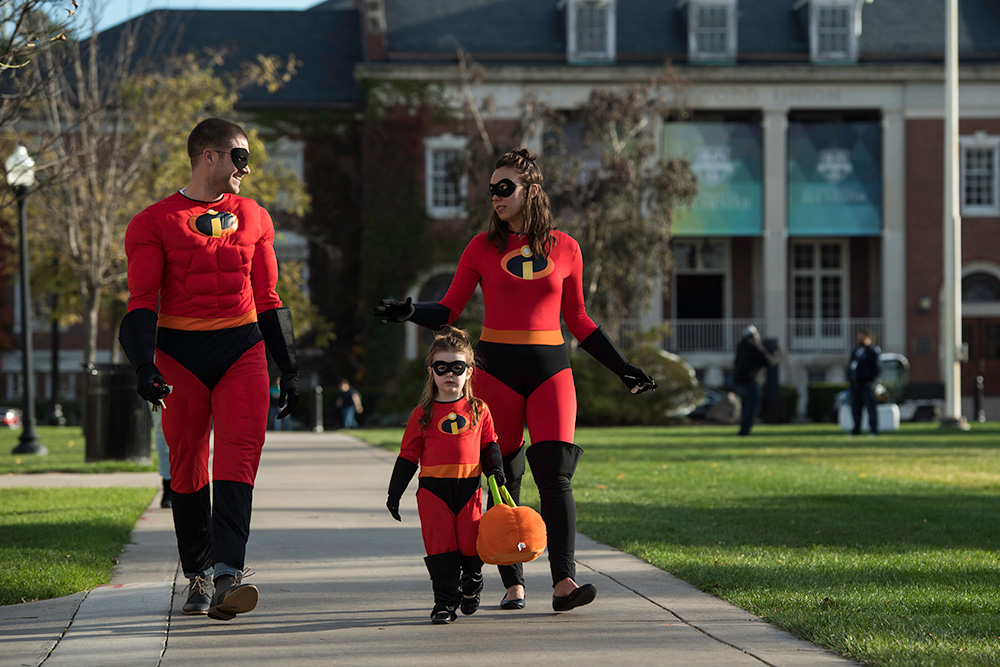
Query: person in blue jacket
{"points": [[863, 373]]}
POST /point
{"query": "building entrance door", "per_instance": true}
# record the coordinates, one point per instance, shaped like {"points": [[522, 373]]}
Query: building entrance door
{"points": [[982, 334]]}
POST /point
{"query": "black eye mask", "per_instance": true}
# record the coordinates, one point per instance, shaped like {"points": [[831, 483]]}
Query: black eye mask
{"points": [[503, 189], [241, 157], [442, 368]]}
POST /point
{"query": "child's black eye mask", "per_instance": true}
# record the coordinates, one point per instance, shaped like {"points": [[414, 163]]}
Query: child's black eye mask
{"points": [[442, 368]]}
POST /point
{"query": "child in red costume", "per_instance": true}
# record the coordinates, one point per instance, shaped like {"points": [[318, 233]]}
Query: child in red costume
{"points": [[202, 306], [450, 435], [530, 274]]}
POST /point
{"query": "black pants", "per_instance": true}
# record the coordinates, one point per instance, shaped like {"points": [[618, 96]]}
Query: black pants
{"points": [[863, 396], [552, 465]]}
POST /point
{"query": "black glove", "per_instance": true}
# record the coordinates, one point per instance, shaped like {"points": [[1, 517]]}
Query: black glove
{"points": [[395, 311], [137, 335], [497, 473], [402, 472], [432, 315], [276, 329], [600, 347], [492, 463], [150, 384], [636, 380], [392, 504], [289, 395]]}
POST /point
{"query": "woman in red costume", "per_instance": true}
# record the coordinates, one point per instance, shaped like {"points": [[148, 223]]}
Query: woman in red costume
{"points": [[202, 306], [530, 274], [450, 434]]}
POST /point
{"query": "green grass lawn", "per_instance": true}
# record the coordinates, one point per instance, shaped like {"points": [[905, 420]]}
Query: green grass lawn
{"points": [[55, 542], [67, 450], [58, 541], [882, 549]]}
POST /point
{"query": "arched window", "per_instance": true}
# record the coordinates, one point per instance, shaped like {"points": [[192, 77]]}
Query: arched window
{"points": [[980, 288]]}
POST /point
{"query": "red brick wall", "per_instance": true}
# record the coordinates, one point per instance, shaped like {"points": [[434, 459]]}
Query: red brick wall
{"points": [[925, 230]]}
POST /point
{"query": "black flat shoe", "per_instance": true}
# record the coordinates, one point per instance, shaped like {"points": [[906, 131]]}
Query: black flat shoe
{"points": [[516, 603], [583, 595]]}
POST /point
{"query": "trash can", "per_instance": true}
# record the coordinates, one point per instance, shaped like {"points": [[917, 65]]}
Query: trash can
{"points": [[118, 423]]}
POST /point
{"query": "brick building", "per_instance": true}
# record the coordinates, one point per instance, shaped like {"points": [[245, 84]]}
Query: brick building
{"points": [[816, 132]]}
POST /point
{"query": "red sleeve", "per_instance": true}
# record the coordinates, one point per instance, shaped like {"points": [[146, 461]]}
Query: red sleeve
{"points": [[487, 434], [264, 270], [413, 438], [574, 311], [467, 277], [146, 259]]}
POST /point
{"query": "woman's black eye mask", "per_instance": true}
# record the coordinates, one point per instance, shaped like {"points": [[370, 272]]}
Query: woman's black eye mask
{"points": [[503, 189]]}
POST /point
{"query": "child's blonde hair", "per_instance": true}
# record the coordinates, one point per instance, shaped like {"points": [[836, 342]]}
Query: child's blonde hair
{"points": [[449, 339]]}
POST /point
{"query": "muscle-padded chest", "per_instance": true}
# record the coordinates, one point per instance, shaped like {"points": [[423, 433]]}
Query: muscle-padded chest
{"points": [[209, 251]]}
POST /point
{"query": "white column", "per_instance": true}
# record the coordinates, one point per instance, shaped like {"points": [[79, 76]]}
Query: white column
{"points": [[893, 232], [951, 302], [775, 255]]}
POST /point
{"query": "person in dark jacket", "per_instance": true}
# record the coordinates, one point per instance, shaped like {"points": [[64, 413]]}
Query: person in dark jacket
{"points": [[863, 372], [752, 358]]}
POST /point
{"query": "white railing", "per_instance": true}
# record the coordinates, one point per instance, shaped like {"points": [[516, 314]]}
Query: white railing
{"points": [[810, 336], [830, 335], [719, 335]]}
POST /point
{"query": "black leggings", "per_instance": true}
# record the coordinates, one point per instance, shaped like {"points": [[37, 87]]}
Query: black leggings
{"points": [[552, 465]]}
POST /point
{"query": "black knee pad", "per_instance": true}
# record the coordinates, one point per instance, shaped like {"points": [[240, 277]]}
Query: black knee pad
{"points": [[553, 462], [513, 464]]}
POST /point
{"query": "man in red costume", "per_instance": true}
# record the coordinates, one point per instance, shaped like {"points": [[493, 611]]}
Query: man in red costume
{"points": [[202, 306]]}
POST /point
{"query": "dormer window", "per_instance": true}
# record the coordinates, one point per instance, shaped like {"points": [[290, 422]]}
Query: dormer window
{"points": [[711, 30], [590, 31], [834, 28], [445, 181]]}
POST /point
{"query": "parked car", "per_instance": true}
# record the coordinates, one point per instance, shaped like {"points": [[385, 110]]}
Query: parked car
{"points": [[916, 402], [700, 411]]}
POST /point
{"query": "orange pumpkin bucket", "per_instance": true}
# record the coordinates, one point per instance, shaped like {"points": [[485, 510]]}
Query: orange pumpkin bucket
{"points": [[509, 534]]}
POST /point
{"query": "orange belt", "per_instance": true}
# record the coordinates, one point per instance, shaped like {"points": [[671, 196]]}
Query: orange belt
{"points": [[451, 470], [204, 323], [511, 337]]}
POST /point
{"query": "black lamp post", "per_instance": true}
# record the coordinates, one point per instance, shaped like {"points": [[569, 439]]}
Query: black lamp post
{"points": [[21, 175]]}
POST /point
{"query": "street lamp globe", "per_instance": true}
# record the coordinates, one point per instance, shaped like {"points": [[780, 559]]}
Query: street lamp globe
{"points": [[20, 168], [21, 176]]}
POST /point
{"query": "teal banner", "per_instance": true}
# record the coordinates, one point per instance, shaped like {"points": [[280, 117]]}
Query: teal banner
{"points": [[834, 179], [728, 161]]}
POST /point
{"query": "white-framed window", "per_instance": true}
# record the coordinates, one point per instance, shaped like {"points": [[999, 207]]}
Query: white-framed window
{"points": [[446, 183], [590, 31], [833, 30], [820, 286], [980, 173], [711, 30]]}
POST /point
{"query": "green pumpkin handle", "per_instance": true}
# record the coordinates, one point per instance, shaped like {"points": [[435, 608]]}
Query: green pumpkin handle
{"points": [[500, 493]]}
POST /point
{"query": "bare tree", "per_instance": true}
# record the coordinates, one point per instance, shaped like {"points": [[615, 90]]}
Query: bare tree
{"points": [[613, 192], [111, 139]]}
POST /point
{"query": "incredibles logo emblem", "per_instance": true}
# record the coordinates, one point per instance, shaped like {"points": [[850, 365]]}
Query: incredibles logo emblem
{"points": [[453, 424], [522, 263], [217, 224]]}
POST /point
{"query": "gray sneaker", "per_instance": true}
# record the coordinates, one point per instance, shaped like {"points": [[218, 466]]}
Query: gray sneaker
{"points": [[232, 597], [198, 599]]}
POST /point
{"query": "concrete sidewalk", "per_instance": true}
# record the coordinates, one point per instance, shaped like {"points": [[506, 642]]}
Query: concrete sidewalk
{"points": [[342, 583]]}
